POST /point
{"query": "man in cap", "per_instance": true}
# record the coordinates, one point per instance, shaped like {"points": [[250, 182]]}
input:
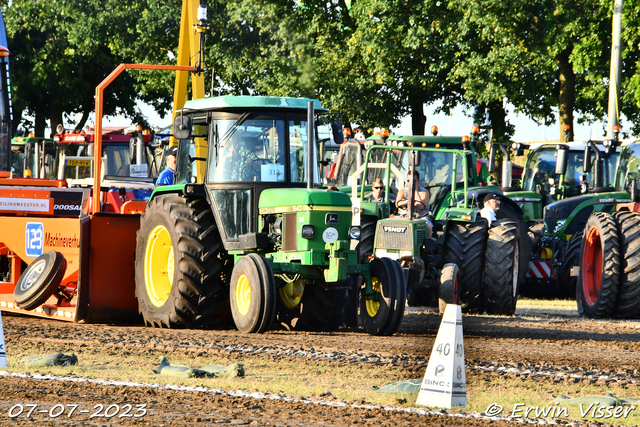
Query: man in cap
{"points": [[166, 176], [491, 205]]}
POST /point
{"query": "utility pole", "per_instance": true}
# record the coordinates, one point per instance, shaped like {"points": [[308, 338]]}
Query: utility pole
{"points": [[613, 115]]}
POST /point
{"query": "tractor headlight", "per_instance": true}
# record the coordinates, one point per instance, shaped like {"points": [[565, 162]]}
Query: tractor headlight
{"points": [[354, 232], [308, 231]]}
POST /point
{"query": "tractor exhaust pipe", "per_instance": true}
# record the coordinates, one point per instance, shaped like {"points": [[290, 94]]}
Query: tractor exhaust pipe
{"points": [[310, 144]]}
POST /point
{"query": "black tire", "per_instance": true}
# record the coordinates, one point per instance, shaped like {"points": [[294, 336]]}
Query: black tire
{"points": [[597, 287], [40, 280], [381, 317], [449, 286], [570, 258], [367, 235], [628, 301], [502, 268], [196, 297], [252, 294], [319, 310], [465, 246], [401, 298]]}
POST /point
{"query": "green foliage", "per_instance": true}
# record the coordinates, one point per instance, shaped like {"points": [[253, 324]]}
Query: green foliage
{"points": [[373, 60]]}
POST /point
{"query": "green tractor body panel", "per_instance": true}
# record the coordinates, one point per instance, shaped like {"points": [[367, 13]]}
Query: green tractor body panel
{"points": [[276, 198], [529, 202], [399, 237]]}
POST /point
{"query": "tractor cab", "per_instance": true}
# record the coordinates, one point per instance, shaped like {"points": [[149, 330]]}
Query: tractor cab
{"points": [[32, 157]]}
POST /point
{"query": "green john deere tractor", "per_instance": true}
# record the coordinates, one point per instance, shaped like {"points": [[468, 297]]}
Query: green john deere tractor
{"points": [[451, 256], [259, 238]]}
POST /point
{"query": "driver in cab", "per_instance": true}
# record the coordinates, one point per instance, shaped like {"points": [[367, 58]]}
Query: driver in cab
{"points": [[420, 195]]}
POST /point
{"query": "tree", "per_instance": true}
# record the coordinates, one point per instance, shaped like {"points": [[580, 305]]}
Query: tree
{"points": [[62, 49]]}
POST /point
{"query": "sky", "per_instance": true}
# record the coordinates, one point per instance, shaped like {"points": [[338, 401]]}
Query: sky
{"points": [[458, 124]]}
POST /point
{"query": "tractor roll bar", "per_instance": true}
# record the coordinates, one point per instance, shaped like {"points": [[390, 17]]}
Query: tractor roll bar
{"points": [[97, 152]]}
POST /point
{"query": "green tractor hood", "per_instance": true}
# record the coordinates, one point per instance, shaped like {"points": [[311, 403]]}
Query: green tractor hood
{"points": [[301, 198]]}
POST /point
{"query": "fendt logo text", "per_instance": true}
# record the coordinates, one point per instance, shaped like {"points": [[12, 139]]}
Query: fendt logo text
{"points": [[395, 229]]}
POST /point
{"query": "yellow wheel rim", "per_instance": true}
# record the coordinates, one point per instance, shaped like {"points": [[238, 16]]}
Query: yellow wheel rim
{"points": [[158, 266], [374, 305], [291, 293], [243, 295]]}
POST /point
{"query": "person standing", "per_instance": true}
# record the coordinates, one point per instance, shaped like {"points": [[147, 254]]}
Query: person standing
{"points": [[166, 176]]}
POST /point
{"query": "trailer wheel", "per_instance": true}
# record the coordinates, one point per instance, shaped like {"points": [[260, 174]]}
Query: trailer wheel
{"points": [[179, 264], [571, 257], [599, 266], [381, 315], [502, 268], [319, 309], [449, 286], [252, 294], [465, 245], [40, 280], [628, 301]]}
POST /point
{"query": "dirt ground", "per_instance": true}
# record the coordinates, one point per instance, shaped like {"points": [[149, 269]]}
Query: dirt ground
{"points": [[541, 344]]}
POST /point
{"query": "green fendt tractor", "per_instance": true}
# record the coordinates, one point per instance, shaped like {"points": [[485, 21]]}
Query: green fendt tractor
{"points": [[452, 256], [609, 253], [258, 237], [558, 249]]}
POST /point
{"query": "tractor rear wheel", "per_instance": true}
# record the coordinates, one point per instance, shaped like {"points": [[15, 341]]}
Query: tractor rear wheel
{"points": [[319, 309], [465, 246], [571, 257], [252, 294], [179, 264], [382, 315], [628, 301], [449, 286], [502, 268], [597, 286], [40, 280]]}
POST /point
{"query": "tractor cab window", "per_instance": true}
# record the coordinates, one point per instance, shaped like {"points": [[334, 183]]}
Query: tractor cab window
{"points": [[298, 153], [76, 162], [252, 150], [629, 167], [17, 159]]}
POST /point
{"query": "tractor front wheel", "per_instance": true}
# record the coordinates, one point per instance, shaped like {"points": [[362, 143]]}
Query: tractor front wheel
{"points": [[382, 314], [252, 294], [597, 286], [449, 286]]}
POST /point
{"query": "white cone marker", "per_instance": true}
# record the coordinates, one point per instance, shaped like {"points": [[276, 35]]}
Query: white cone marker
{"points": [[445, 384]]}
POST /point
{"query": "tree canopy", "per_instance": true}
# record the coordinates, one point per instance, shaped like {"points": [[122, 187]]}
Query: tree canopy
{"points": [[374, 60]]}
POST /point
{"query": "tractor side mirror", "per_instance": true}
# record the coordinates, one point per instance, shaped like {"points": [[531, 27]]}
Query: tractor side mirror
{"points": [[587, 160], [182, 127], [336, 130], [492, 159], [563, 159]]}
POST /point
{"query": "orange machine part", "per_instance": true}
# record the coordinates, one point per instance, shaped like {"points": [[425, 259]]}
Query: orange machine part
{"points": [[111, 285]]}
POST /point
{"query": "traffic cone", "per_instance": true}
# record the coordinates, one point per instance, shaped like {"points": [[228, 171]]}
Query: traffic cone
{"points": [[445, 384], [3, 349]]}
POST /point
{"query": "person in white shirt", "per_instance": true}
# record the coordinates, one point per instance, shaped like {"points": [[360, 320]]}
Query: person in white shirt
{"points": [[491, 205]]}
